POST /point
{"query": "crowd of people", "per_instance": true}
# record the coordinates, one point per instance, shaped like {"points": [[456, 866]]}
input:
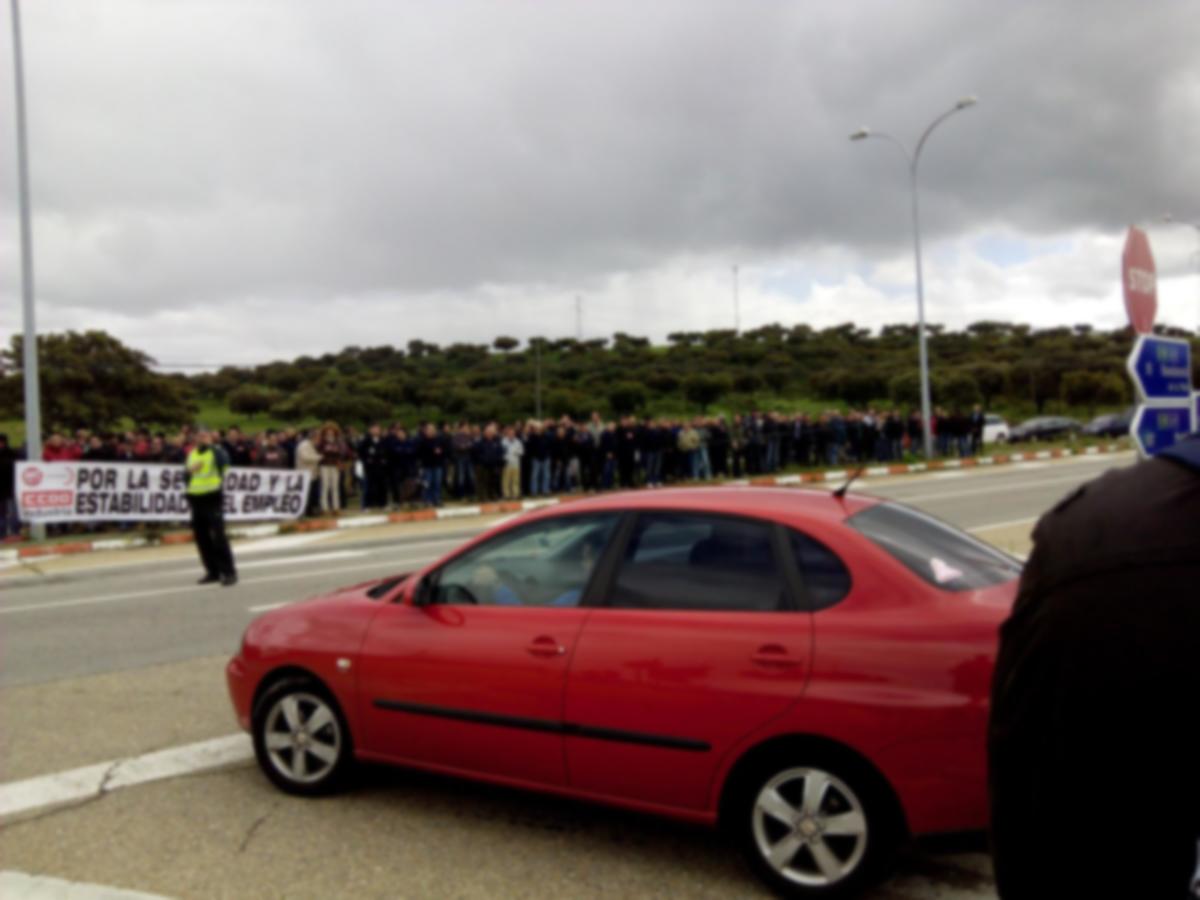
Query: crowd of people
{"points": [[391, 467]]}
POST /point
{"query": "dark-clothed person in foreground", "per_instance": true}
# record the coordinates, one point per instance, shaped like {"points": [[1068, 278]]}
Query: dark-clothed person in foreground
{"points": [[1094, 740], [206, 467]]}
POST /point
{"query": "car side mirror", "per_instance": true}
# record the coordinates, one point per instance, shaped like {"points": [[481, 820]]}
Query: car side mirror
{"points": [[424, 592]]}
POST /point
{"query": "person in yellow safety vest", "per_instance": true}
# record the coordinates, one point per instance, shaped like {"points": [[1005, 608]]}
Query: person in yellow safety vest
{"points": [[206, 466]]}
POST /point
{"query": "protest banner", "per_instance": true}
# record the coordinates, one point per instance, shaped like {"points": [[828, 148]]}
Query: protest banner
{"points": [[148, 492]]}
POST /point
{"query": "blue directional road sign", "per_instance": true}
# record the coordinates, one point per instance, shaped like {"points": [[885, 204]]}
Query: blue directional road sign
{"points": [[1155, 428], [1161, 368]]}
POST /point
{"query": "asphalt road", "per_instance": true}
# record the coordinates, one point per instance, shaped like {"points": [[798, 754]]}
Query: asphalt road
{"points": [[84, 621], [112, 657]]}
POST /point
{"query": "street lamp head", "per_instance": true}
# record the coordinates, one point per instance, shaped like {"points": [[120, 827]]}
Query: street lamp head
{"points": [[863, 132], [966, 101]]}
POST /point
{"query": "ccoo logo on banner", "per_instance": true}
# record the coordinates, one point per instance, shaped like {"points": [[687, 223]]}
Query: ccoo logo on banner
{"points": [[148, 492]]}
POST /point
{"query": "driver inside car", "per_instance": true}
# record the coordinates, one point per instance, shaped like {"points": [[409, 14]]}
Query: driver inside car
{"points": [[488, 586]]}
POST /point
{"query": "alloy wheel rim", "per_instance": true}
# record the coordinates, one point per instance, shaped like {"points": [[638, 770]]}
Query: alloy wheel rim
{"points": [[810, 827], [302, 737]]}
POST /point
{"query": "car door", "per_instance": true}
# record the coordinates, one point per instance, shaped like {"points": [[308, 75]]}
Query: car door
{"points": [[469, 676], [697, 640]]}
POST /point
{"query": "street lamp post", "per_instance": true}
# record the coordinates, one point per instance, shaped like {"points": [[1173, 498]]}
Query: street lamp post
{"points": [[29, 365], [913, 159]]}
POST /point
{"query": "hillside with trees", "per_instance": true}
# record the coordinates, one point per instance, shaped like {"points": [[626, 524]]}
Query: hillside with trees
{"points": [[91, 380]]}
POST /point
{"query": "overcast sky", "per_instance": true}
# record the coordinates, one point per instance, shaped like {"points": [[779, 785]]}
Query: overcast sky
{"points": [[241, 181]]}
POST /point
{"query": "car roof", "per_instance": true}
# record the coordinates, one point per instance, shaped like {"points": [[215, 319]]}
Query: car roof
{"points": [[782, 504]]}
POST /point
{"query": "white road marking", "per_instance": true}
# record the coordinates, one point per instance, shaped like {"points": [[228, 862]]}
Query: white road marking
{"points": [[990, 525], [73, 785], [284, 542], [1006, 487], [1026, 466], [20, 886], [304, 560], [942, 476], [394, 564], [269, 606]]}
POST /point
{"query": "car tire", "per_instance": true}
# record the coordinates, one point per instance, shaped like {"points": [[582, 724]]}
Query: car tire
{"points": [[301, 739], [815, 825]]}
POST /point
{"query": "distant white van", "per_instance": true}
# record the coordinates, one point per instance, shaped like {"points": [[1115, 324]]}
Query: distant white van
{"points": [[995, 429]]}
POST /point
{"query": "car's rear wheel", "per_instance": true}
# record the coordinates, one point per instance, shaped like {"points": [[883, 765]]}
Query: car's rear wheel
{"points": [[301, 739], [816, 827]]}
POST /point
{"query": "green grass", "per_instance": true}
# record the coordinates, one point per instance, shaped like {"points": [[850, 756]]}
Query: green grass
{"points": [[214, 414]]}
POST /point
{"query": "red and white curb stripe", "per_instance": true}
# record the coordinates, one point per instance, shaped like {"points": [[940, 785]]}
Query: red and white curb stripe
{"points": [[10, 557]]}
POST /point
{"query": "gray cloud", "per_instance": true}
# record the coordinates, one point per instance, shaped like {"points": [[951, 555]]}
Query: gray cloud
{"points": [[193, 153]]}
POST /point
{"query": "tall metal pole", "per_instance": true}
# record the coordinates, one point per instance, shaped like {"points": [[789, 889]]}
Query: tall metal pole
{"points": [[922, 348], [33, 408], [923, 351], [578, 318], [737, 305]]}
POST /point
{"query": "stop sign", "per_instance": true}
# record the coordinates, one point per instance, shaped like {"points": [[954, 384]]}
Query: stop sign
{"points": [[1139, 281]]}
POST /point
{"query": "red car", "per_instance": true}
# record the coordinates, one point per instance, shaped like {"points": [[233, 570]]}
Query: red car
{"points": [[809, 670]]}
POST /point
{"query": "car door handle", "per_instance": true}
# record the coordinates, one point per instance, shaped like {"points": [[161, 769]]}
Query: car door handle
{"points": [[545, 646], [773, 656]]}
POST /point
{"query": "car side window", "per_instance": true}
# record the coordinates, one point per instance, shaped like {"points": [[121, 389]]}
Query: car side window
{"points": [[826, 578], [548, 564], [677, 561]]}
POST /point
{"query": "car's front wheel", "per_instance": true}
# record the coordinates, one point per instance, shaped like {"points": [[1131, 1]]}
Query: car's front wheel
{"points": [[301, 739], [815, 828]]}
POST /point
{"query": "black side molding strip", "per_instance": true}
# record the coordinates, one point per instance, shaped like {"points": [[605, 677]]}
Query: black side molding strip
{"points": [[565, 728]]}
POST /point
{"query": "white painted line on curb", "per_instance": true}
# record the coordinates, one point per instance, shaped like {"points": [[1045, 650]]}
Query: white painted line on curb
{"points": [[787, 479], [459, 512], [252, 531], [118, 543], [942, 476], [538, 504], [362, 522], [20, 886], [92, 781], [878, 471]]}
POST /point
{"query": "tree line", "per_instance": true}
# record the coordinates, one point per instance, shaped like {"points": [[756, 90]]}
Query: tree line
{"points": [[90, 379]]}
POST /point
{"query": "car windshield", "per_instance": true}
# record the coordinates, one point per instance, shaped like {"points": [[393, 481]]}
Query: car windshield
{"points": [[943, 556]]}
